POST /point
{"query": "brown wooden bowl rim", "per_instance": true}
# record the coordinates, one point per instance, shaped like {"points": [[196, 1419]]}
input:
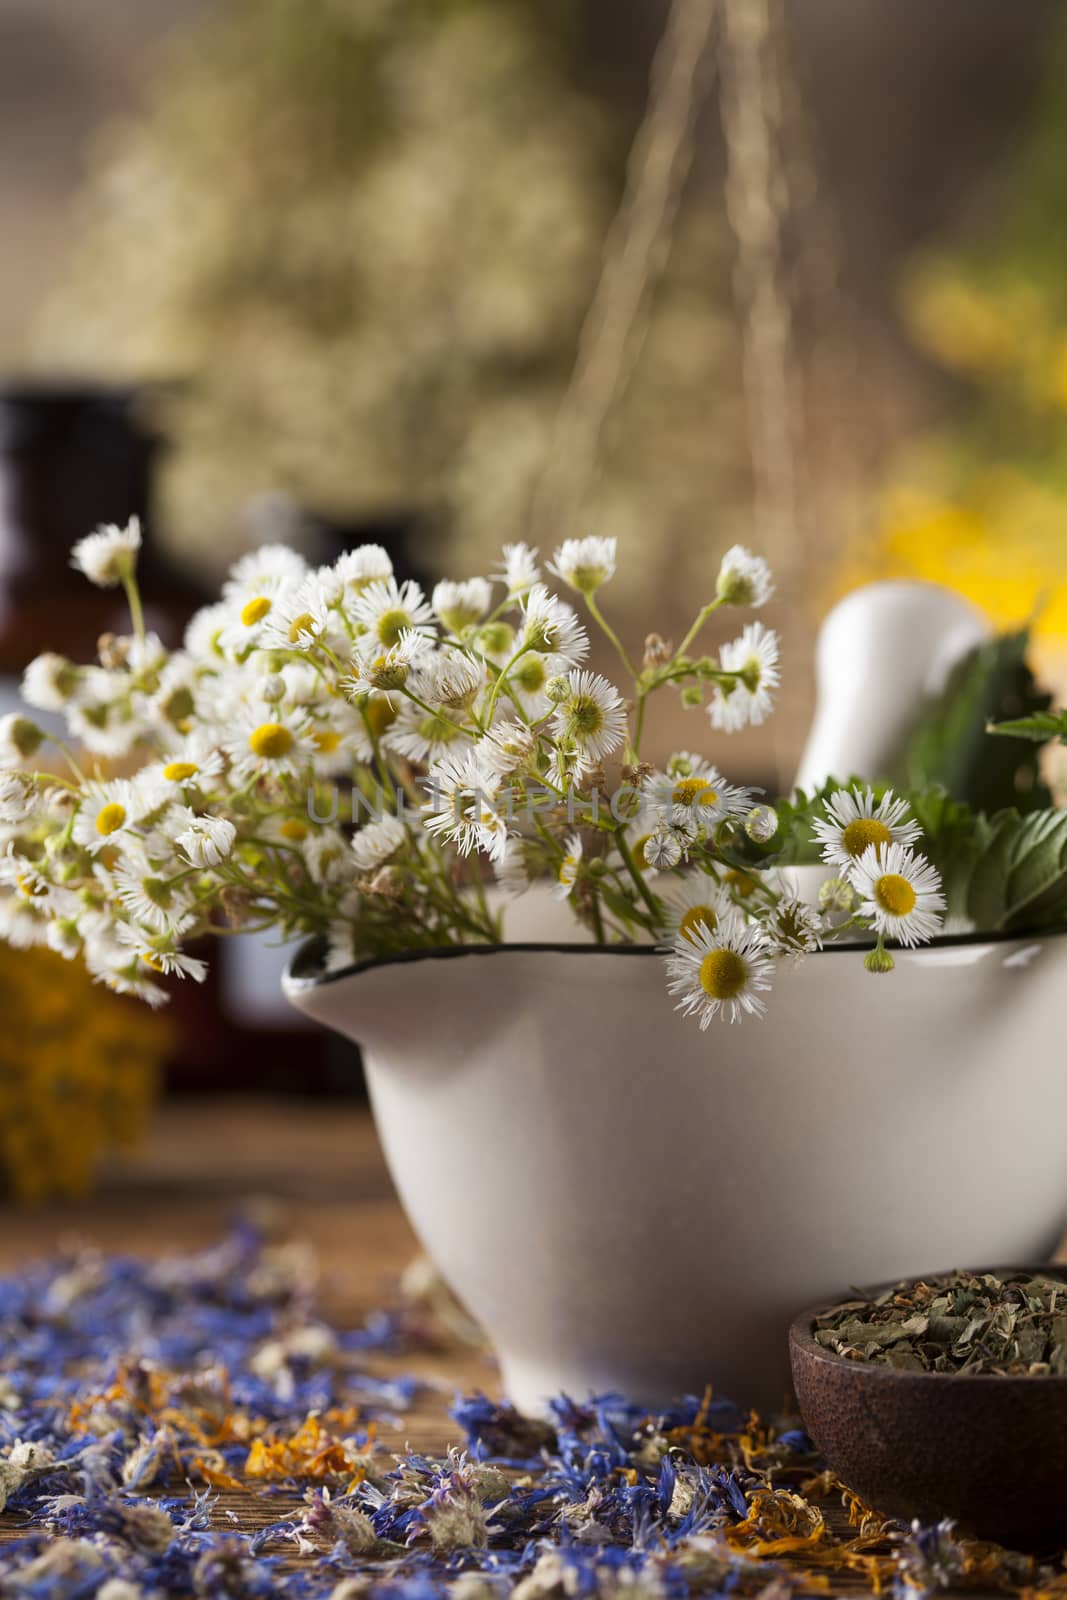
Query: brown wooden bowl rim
{"points": [[802, 1337]]}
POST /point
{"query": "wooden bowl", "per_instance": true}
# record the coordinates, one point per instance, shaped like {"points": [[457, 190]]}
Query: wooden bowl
{"points": [[989, 1452]]}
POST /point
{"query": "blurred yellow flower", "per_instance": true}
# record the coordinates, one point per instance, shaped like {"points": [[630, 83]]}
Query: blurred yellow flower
{"points": [[78, 1072]]}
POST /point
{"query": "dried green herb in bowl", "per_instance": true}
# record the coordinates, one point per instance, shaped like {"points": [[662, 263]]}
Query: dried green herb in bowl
{"points": [[1010, 1324]]}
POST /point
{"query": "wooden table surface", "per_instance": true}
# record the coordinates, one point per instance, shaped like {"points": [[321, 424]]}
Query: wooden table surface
{"points": [[315, 1168]]}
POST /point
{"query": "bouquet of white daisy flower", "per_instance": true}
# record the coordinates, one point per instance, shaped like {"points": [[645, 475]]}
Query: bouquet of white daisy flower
{"points": [[334, 753]]}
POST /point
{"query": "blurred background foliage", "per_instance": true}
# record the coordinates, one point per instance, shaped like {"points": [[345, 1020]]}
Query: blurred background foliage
{"points": [[981, 502], [357, 238]]}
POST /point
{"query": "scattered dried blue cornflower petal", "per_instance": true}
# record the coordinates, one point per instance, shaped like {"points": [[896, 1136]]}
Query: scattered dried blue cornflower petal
{"points": [[132, 1394]]}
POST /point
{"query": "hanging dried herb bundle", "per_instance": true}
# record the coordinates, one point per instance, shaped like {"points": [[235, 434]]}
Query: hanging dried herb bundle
{"points": [[1015, 1325]]}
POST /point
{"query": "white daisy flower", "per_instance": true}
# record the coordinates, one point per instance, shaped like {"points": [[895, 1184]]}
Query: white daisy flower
{"points": [[368, 563], [694, 901], [519, 570], [663, 848], [19, 872], [109, 555], [204, 632], [19, 798], [721, 971], [425, 736], [586, 564], [49, 682], [569, 866], [206, 840], [854, 822], [462, 806], [276, 565], [197, 760], [338, 737], [21, 923], [510, 870], [122, 968], [64, 937], [551, 628], [900, 891], [495, 641], [252, 605], [755, 657], [20, 738], [385, 669], [744, 579], [298, 617], [104, 717], [108, 812], [385, 609], [695, 792], [592, 718], [149, 893], [761, 824], [461, 605], [159, 952], [271, 746], [449, 679], [795, 928], [329, 858], [377, 842], [508, 746], [527, 682]]}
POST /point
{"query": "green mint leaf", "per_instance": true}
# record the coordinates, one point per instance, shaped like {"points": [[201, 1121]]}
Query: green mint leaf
{"points": [[1019, 872], [950, 744], [1041, 727]]}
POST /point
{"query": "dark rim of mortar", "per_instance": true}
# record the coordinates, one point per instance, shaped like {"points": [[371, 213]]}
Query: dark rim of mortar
{"points": [[802, 1336], [305, 969]]}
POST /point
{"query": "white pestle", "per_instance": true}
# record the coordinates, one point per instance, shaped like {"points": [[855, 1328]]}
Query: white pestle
{"points": [[881, 653]]}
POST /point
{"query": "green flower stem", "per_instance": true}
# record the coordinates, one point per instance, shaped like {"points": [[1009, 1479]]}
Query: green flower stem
{"points": [[609, 631], [133, 600], [71, 763], [701, 618], [639, 882], [501, 679]]}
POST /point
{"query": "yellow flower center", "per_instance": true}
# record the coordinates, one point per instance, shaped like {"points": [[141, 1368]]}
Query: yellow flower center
{"points": [[326, 740], [568, 869], [723, 974], [692, 920], [390, 626], [30, 886], [110, 818], [301, 624], [379, 715], [270, 740], [529, 674], [293, 829], [255, 610], [895, 894], [585, 716], [180, 771], [863, 832], [496, 639], [152, 961], [439, 729], [694, 792], [740, 883]]}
